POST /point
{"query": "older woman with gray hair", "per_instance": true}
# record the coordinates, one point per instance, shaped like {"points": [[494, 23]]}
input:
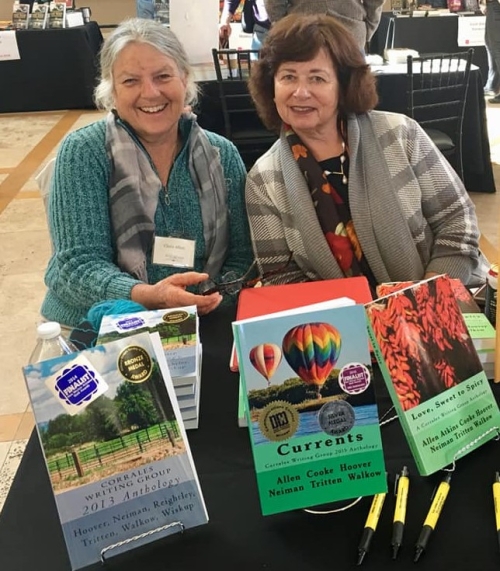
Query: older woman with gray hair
{"points": [[140, 200]]}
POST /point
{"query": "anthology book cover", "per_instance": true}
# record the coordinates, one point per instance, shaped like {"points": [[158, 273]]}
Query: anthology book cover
{"points": [[115, 447], [433, 373], [311, 409], [178, 330]]}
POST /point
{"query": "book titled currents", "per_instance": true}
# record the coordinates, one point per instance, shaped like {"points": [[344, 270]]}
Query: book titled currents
{"points": [[433, 373], [115, 447], [311, 408]]}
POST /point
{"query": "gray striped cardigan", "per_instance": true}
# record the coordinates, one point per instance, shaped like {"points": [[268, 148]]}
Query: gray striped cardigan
{"points": [[410, 210]]}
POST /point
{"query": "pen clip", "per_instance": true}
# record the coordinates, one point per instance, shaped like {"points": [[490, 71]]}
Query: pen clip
{"points": [[396, 480], [447, 478]]}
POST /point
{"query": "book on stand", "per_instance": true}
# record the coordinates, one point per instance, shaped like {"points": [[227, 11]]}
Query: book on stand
{"points": [[39, 16], [310, 405], [57, 15], [433, 373], [179, 332], [479, 327], [115, 447], [259, 301], [20, 16]]}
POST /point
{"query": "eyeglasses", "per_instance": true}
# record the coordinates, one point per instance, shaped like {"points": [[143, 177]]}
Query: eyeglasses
{"points": [[230, 284]]}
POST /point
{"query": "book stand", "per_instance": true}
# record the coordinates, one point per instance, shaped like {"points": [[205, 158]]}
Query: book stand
{"points": [[140, 536], [472, 443]]}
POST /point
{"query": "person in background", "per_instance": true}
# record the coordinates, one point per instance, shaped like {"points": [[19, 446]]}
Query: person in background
{"points": [[360, 17], [261, 25], [140, 200], [492, 42], [348, 190], [145, 9]]}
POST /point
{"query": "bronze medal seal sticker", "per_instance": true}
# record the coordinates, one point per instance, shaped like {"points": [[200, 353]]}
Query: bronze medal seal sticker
{"points": [[336, 417], [278, 420], [135, 364]]}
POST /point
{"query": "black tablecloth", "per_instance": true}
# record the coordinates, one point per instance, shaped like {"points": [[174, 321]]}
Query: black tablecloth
{"points": [[237, 536], [57, 70], [426, 35]]}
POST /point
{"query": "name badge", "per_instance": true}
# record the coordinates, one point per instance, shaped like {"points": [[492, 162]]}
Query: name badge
{"points": [[177, 252]]}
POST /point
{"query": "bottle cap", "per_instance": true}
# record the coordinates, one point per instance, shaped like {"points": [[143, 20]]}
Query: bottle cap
{"points": [[48, 330]]}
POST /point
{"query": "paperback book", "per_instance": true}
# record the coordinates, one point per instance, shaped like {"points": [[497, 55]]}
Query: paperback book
{"points": [[20, 16], [433, 373], [310, 405], [57, 15], [115, 447], [179, 334], [39, 16], [259, 301], [479, 327]]}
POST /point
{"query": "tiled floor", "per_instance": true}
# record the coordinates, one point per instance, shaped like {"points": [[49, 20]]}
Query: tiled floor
{"points": [[27, 141]]}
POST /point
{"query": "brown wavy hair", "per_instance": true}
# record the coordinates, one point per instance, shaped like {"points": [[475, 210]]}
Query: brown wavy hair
{"points": [[300, 37]]}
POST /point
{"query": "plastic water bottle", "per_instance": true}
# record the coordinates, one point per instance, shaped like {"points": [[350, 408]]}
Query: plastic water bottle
{"points": [[51, 343]]}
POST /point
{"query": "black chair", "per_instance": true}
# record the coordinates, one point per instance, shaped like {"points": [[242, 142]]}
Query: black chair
{"points": [[437, 91], [242, 125]]}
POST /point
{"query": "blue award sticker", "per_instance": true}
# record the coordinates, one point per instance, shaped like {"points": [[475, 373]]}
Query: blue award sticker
{"points": [[130, 323], [354, 378], [77, 385]]}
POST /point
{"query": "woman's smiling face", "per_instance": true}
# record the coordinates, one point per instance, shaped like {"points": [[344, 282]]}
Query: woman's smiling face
{"points": [[149, 91], [306, 94]]}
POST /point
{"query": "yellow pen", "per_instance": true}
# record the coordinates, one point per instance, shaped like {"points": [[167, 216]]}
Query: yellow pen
{"points": [[432, 516], [496, 498], [370, 525], [398, 525]]}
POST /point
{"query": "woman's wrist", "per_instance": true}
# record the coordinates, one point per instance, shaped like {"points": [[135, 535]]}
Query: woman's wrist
{"points": [[145, 295]]}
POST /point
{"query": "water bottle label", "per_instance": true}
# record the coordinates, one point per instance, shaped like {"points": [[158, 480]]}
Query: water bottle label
{"points": [[77, 385]]}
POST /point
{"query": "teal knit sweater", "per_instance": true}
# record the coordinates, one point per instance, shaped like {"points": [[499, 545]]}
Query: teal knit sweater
{"points": [[82, 270]]}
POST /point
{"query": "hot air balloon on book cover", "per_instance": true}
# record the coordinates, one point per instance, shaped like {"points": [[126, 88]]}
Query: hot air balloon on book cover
{"points": [[311, 407]]}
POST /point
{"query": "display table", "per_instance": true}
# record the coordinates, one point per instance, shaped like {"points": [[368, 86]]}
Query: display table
{"points": [[57, 70], [238, 537], [433, 34], [478, 172]]}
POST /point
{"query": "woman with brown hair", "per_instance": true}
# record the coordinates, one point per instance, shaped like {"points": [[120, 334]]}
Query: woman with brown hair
{"points": [[350, 191]]}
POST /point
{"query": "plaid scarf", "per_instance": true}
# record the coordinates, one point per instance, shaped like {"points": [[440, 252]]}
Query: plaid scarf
{"points": [[134, 190], [332, 209]]}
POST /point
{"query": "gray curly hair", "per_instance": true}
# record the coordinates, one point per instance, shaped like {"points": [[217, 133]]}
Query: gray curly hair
{"points": [[142, 31]]}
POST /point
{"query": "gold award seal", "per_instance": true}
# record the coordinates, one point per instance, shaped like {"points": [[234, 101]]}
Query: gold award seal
{"points": [[135, 364], [278, 420], [176, 316]]}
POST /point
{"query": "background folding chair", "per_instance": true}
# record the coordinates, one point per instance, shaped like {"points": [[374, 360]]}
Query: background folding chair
{"points": [[242, 125], [437, 91]]}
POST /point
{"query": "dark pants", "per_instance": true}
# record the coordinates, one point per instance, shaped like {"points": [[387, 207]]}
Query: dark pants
{"points": [[492, 41]]}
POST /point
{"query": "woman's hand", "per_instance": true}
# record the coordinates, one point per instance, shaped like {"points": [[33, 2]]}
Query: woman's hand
{"points": [[171, 292]]}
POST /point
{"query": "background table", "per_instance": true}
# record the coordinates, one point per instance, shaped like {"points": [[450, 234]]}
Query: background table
{"points": [[238, 537], [433, 34], [57, 70]]}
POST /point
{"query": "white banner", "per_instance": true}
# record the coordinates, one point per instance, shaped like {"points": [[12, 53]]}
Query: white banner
{"points": [[8, 46], [471, 31]]}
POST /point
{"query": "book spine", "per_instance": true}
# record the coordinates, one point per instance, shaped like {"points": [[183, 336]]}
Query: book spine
{"points": [[395, 401], [242, 391]]}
